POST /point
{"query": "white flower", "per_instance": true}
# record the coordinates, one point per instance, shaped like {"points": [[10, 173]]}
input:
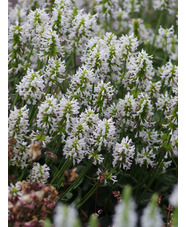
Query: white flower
{"points": [[97, 158], [83, 27], [66, 106], [81, 86], [123, 153], [165, 164], [103, 56], [55, 71], [168, 41], [37, 135], [126, 109], [66, 109], [31, 87], [80, 130], [29, 4], [174, 141], [74, 26], [144, 109], [90, 118], [16, 14], [151, 215], [169, 74], [125, 214], [20, 154], [106, 7], [104, 134], [39, 174], [75, 148], [15, 49], [166, 33], [137, 27], [151, 136], [146, 157], [111, 111], [102, 96], [170, 5], [128, 44], [33, 26], [131, 6], [65, 216], [15, 190], [120, 17], [140, 71], [97, 60], [173, 199], [64, 3], [153, 89], [46, 118], [18, 122], [164, 103], [105, 175], [50, 45]]}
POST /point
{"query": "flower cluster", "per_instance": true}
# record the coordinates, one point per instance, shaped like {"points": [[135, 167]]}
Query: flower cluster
{"points": [[81, 85], [65, 216], [31, 87], [26, 200], [124, 153], [151, 214], [15, 190], [125, 211], [169, 6], [93, 96], [55, 72], [18, 122], [39, 174], [168, 41]]}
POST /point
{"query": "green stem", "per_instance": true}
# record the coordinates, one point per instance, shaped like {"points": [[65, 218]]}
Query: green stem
{"points": [[69, 61], [106, 23], [63, 173], [74, 60], [156, 31], [55, 89], [142, 170], [38, 64], [166, 52], [60, 173], [15, 100], [81, 175], [124, 71], [33, 114], [153, 174], [22, 103], [87, 196], [96, 196], [22, 175], [33, 111], [61, 162], [92, 94], [113, 169], [174, 162], [30, 54]]}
